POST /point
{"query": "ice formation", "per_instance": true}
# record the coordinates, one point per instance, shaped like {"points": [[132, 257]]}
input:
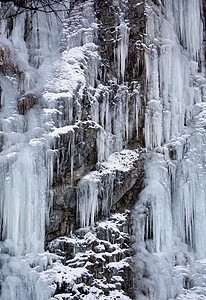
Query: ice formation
{"points": [[61, 64], [171, 206]]}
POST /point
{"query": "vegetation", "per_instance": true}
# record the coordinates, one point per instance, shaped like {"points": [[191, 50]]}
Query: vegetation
{"points": [[46, 6]]}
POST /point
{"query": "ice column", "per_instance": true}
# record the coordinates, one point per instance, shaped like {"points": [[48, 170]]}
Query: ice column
{"points": [[153, 210], [189, 205], [87, 200], [188, 25], [23, 202], [122, 49], [173, 57], [153, 124]]}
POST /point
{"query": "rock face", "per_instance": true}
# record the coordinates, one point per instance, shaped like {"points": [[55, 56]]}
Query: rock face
{"points": [[27, 102], [119, 131], [8, 64], [112, 184], [85, 189], [11, 66], [121, 33], [76, 152], [113, 100], [103, 259]]}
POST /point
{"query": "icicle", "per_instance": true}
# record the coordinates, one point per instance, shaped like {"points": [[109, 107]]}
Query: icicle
{"points": [[107, 193], [189, 196], [50, 167], [87, 200], [118, 128], [126, 120], [153, 124], [101, 145], [188, 25], [107, 113], [151, 60], [168, 68], [95, 110], [137, 115], [72, 146], [154, 207], [122, 49], [172, 174], [23, 208]]}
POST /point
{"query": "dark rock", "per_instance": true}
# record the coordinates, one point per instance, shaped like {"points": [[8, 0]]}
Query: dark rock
{"points": [[108, 270], [126, 186], [76, 153], [64, 245], [27, 102]]}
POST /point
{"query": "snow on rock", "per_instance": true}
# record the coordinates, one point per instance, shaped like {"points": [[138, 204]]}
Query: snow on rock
{"points": [[100, 265], [100, 190], [63, 163]]}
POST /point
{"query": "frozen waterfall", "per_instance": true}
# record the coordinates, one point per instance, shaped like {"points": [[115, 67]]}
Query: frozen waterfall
{"points": [[170, 212], [117, 127]]}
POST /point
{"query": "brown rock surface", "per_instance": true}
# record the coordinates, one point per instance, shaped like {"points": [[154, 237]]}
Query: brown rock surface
{"points": [[27, 102]]}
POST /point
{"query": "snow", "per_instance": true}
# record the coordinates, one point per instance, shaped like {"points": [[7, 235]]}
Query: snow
{"points": [[118, 265], [93, 186], [63, 130], [76, 273], [123, 160], [169, 216]]}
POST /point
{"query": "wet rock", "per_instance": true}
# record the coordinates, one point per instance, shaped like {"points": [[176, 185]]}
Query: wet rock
{"points": [[9, 66], [27, 102]]}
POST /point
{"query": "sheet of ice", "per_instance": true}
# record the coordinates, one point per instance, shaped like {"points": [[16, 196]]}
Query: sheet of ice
{"points": [[23, 163]]}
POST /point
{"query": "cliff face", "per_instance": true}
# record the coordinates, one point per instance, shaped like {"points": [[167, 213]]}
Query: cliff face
{"points": [[112, 101], [103, 151]]}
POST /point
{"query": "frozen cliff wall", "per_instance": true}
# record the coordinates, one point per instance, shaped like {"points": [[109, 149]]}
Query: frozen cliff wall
{"points": [[98, 48], [172, 205], [103, 112], [63, 112]]}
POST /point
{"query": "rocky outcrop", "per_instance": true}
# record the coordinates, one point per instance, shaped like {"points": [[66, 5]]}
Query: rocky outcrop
{"points": [[121, 37], [103, 258], [86, 189], [8, 64], [118, 96], [27, 102], [76, 152], [112, 183]]}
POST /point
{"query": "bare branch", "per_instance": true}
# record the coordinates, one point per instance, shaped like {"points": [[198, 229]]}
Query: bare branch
{"points": [[45, 6]]}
